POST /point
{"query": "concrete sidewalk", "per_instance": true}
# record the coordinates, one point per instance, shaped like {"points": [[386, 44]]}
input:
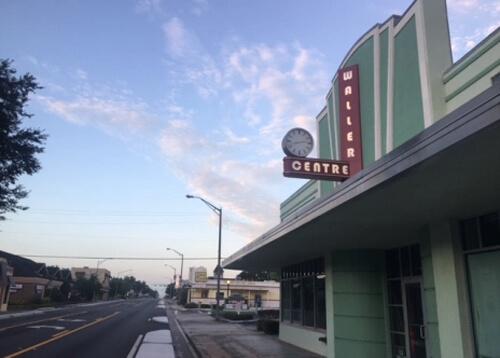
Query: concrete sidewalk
{"points": [[224, 339]]}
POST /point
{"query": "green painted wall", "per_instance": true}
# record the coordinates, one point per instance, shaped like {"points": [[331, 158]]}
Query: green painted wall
{"points": [[472, 74], [358, 304], [448, 298], [307, 193], [363, 57], [429, 293], [384, 63], [324, 149], [408, 117], [304, 338]]}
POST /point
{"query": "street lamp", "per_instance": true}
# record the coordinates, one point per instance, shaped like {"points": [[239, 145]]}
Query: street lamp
{"points": [[118, 276], [97, 274], [182, 261], [218, 269], [227, 287], [175, 275]]}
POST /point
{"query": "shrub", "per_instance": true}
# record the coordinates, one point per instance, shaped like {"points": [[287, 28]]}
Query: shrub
{"points": [[234, 316], [55, 295], [269, 313], [35, 300], [191, 305], [268, 326]]}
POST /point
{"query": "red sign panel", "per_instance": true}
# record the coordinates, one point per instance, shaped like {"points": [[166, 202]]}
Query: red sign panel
{"points": [[350, 118], [321, 169]]}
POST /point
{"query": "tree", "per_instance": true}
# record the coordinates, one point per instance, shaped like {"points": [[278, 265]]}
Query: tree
{"points": [[88, 287], [18, 146], [258, 276]]}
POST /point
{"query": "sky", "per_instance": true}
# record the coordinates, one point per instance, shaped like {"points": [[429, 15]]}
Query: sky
{"points": [[145, 101]]}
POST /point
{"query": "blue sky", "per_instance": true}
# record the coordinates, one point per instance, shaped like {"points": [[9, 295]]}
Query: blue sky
{"points": [[146, 101]]}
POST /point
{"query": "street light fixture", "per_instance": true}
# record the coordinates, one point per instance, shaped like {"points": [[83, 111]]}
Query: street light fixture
{"points": [[218, 269], [227, 288], [182, 261]]}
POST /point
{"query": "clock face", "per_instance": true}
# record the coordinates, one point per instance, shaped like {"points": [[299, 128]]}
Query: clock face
{"points": [[297, 143]]}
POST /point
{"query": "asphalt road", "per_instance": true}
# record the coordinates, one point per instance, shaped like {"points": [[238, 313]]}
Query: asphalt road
{"points": [[95, 330]]}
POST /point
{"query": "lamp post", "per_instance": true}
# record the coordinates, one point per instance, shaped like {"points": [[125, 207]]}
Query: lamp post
{"points": [[97, 274], [175, 275], [218, 211], [118, 276], [182, 261], [227, 287]]}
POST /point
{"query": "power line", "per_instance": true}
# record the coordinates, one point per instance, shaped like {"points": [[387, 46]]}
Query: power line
{"points": [[121, 258]]}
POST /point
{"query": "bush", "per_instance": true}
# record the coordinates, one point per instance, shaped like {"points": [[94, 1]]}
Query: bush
{"points": [[55, 295], [191, 305], [270, 314], [268, 326], [234, 316], [35, 300]]}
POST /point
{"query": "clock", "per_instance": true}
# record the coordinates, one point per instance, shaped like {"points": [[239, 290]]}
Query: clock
{"points": [[297, 143]]}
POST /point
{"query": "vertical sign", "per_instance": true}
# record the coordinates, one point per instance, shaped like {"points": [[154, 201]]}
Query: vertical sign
{"points": [[350, 118]]}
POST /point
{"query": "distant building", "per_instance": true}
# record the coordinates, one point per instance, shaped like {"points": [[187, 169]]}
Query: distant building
{"points": [[103, 276], [29, 280], [6, 282], [263, 294], [197, 274]]}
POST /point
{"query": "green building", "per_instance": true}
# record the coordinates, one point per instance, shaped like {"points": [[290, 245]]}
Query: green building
{"points": [[402, 259]]}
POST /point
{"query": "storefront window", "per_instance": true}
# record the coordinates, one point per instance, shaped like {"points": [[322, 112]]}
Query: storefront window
{"points": [[320, 301], [303, 294], [308, 283], [297, 300], [286, 301], [481, 243]]}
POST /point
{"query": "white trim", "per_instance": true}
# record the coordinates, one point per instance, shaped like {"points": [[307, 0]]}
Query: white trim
{"points": [[377, 126], [389, 145], [423, 64]]}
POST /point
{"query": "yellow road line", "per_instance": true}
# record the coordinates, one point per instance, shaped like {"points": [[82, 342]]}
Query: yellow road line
{"points": [[60, 335], [41, 320], [140, 303]]}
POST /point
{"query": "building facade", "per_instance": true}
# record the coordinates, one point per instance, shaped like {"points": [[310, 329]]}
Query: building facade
{"points": [[25, 281], [403, 258], [103, 276], [258, 294]]}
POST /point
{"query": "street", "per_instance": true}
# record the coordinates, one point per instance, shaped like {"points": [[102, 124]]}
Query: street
{"points": [[108, 329]]}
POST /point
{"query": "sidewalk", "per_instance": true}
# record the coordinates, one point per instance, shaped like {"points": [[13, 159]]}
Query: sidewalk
{"points": [[224, 339]]}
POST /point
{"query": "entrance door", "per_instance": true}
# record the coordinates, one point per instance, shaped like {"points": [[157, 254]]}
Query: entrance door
{"points": [[415, 320], [406, 303]]}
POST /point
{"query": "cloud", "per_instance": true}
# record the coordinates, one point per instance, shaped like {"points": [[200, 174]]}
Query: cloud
{"points": [[462, 13], [190, 63], [180, 42], [81, 74], [110, 108], [277, 78], [210, 169], [150, 7], [112, 117], [462, 5], [199, 7]]}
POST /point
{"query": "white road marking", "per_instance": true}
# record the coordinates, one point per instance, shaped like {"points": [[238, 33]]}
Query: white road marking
{"points": [[71, 320], [57, 328]]}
